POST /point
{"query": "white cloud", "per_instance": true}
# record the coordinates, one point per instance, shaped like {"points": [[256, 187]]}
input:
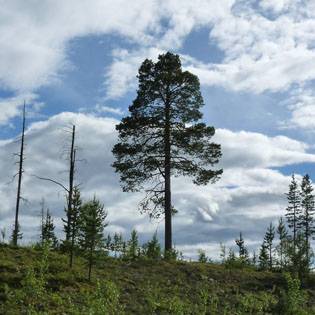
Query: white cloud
{"points": [[302, 106], [248, 193], [265, 47], [275, 6], [34, 35], [121, 74], [261, 151], [11, 107]]}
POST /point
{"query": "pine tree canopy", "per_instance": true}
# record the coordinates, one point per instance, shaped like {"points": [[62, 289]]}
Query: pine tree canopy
{"points": [[165, 111], [92, 224], [306, 222], [294, 202]]}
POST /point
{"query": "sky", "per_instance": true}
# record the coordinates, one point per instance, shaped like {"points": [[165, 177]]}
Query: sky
{"points": [[75, 62]]}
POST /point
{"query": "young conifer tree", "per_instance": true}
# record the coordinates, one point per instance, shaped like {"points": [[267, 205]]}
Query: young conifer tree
{"points": [[268, 241], [307, 222], [283, 242], [293, 213], [73, 222], [92, 224], [263, 256], [48, 231], [152, 249], [133, 246], [16, 234], [164, 137], [242, 250], [202, 257]]}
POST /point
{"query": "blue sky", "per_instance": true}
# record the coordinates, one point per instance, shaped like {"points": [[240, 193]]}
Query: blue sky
{"points": [[76, 62]]}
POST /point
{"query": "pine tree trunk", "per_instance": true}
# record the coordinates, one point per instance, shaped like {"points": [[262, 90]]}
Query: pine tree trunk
{"points": [[307, 241], [90, 263], [71, 250], [18, 196], [294, 229], [167, 168]]}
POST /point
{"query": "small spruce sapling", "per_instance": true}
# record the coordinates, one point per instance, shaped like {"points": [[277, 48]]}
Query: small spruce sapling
{"points": [[92, 224]]}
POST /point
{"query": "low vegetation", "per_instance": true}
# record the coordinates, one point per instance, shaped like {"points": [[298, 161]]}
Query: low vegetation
{"points": [[39, 281]]}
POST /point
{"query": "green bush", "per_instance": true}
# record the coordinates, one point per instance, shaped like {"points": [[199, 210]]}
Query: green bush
{"points": [[294, 299], [105, 300], [256, 303]]}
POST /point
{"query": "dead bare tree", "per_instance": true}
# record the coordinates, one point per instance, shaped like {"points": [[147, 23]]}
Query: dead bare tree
{"points": [[69, 190], [15, 235], [71, 180]]}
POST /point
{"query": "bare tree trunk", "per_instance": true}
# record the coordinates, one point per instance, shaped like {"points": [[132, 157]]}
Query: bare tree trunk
{"points": [[69, 193], [167, 168], [42, 221], [20, 174], [71, 179]]}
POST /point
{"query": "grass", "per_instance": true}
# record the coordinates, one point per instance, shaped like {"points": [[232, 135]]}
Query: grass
{"points": [[141, 287]]}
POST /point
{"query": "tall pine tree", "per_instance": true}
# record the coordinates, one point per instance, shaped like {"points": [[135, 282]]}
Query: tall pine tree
{"points": [[293, 210], [163, 137], [306, 222]]}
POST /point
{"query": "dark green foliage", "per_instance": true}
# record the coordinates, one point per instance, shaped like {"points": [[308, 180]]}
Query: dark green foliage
{"points": [[73, 222], [104, 300], [16, 234], [162, 137], [140, 286], [202, 257], [293, 210], [48, 231], [294, 299], [31, 297], [263, 256], [268, 241], [306, 222], [92, 224], [133, 248], [108, 242], [152, 249], [242, 250], [283, 243]]}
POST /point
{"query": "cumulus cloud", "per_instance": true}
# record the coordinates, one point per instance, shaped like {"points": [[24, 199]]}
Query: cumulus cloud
{"points": [[301, 103], [248, 193], [265, 47], [277, 151], [11, 107], [34, 36]]}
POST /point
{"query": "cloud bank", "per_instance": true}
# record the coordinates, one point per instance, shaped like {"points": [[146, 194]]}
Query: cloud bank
{"points": [[249, 194]]}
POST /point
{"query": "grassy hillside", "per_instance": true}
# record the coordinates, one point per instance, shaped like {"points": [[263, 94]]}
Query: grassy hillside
{"points": [[139, 287]]}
